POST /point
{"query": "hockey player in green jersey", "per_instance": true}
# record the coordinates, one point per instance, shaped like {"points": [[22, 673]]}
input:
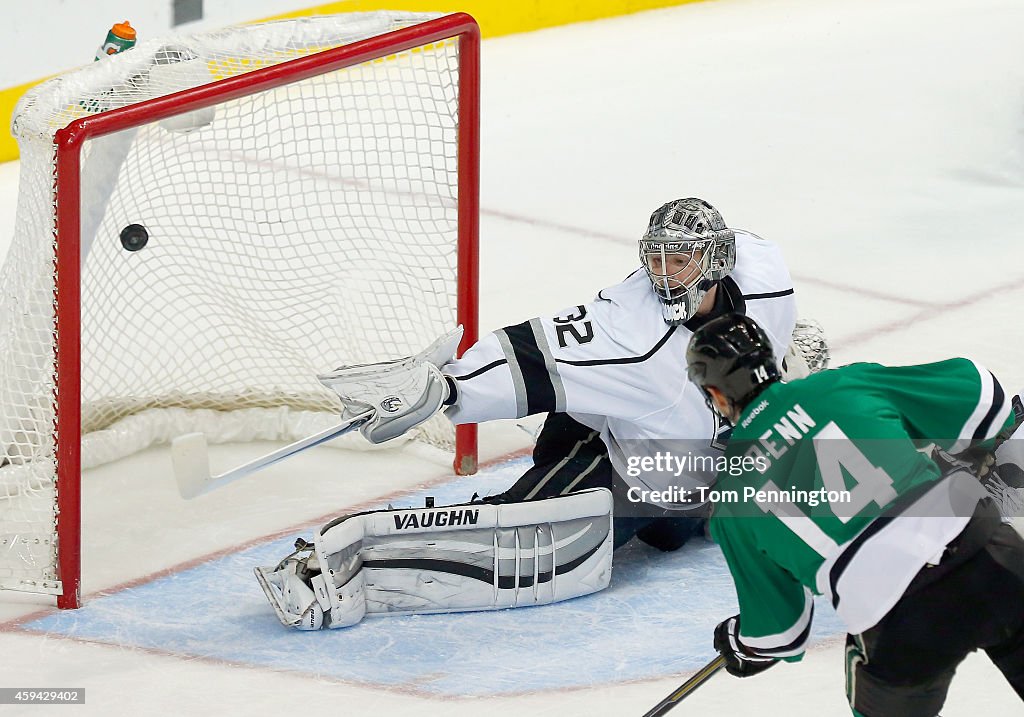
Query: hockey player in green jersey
{"points": [[835, 498]]}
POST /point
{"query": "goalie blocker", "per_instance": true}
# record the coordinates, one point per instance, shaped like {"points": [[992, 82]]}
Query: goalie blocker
{"points": [[456, 558]]}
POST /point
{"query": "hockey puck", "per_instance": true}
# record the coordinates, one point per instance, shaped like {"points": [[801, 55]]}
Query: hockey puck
{"points": [[134, 237]]}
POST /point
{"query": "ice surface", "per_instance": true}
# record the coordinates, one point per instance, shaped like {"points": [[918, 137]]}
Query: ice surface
{"points": [[882, 146], [653, 621]]}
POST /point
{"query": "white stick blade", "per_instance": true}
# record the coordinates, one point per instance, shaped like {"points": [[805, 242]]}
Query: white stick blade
{"points": [[191, 462]]}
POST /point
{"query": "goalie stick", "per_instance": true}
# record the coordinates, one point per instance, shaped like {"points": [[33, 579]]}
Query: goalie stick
{"points": [[702, 676], [191, 459]]}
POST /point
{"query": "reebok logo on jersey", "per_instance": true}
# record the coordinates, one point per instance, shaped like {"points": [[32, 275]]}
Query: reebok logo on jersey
{"points": [[753, 413], [785, 432], [437, 519]]}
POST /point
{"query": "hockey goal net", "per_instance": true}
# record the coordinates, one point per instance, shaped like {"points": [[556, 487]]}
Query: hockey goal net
{"points": [[203, 225]]}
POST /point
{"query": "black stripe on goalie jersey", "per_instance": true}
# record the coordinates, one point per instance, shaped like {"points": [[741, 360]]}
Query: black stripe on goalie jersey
{"points": [[626, 359], [769, 295], [475, 572], [998, 400], [728, 300], [540, 391], [481, 370]]}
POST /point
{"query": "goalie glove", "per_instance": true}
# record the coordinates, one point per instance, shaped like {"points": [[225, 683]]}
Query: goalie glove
{"points": [[402, 393], [738, 661], [808, 351]]}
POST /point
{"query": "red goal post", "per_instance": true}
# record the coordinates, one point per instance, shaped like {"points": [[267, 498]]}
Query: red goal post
{"points": [[68, 191]]}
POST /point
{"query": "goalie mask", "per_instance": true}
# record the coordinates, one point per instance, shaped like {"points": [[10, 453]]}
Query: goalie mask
{"points": [[686, 250]]}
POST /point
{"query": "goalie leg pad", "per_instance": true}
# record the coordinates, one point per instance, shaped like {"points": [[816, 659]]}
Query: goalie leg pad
{"points": [[467, 557]]}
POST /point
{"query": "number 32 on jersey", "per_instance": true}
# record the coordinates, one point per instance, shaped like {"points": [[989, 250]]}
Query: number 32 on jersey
{"points": [[574, 327]]}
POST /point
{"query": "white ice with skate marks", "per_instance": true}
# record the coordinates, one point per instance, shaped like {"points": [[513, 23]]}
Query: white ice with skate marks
{"points": [[655, 620]]}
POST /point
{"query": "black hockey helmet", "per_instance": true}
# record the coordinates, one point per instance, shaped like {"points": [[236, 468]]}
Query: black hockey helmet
{"points": [[733, 354]]}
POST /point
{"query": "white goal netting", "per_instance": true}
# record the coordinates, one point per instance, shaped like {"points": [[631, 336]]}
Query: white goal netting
{"points": [[278, 235]]}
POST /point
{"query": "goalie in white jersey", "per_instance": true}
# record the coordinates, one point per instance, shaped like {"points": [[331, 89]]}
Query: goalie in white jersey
{"points": [[607, 373]]}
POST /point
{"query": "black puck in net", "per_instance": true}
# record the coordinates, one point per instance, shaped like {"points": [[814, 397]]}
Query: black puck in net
{"points": [[134, 237]]}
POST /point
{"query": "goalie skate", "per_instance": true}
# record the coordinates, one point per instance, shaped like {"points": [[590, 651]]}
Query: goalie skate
{"points": [[289, 589]]}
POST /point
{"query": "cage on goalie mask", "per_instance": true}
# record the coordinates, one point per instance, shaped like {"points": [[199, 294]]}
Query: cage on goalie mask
{"points": [[685, 251]]}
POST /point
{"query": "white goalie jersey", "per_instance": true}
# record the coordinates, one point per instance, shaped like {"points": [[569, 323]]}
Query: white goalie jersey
{"points": [[616, 366]]}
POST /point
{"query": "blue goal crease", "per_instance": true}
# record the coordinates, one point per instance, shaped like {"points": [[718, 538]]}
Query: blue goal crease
{"points": [[655, 620]]}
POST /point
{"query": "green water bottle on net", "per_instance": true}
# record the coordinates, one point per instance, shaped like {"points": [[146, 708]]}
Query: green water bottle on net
{"points": [[120, 38]]}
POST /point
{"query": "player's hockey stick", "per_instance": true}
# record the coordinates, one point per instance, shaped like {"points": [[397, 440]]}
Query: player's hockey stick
{"points": [[702, 676], [191, 459]]}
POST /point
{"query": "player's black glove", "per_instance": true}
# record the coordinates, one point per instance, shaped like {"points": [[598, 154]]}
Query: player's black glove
{"points": [[738, 661], [977, 460], [980, 459]]}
